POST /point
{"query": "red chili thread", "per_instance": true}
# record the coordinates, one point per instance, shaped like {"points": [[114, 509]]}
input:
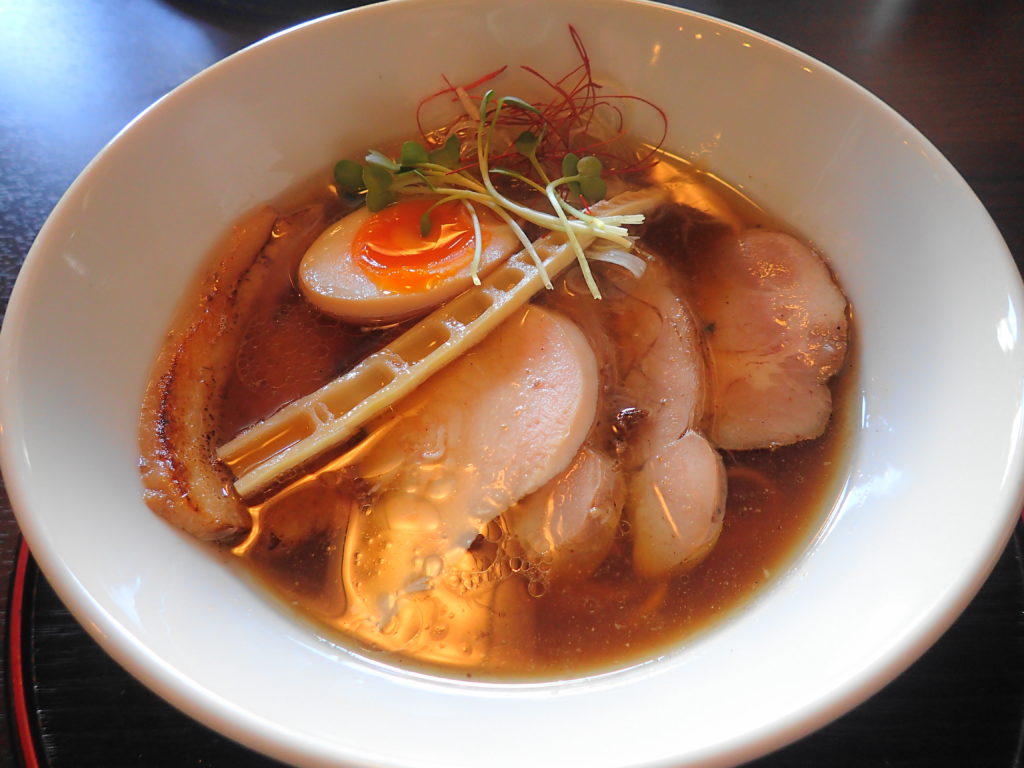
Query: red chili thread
{"points": [[570, 112]]}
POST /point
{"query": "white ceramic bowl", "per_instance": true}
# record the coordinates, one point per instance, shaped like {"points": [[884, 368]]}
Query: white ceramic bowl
{"points": [[931, 491]]}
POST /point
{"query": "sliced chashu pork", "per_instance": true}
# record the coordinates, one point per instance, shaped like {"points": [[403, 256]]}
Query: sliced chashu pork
{"points": [[570, 524], [661, 364], [655, 370], [678, 498], [776, 332]]}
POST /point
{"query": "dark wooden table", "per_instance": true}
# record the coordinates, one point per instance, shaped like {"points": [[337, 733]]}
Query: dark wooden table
{"points": [[73, 72]]}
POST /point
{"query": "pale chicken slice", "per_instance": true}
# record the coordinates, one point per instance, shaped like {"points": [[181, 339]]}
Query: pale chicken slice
{"points": [[494, 426], [491, 428], [776, 331], [570, 524], [678, 502]]}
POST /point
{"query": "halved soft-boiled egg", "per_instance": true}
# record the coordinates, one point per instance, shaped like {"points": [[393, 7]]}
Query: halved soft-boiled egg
{"points": [[378, 266]]}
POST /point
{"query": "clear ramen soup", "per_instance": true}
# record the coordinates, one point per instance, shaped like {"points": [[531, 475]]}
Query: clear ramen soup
{"points": [[578, 476]]}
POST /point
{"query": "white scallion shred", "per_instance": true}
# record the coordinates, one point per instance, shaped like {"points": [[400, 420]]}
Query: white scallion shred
{"points": [[474, 267], [612, 254]]}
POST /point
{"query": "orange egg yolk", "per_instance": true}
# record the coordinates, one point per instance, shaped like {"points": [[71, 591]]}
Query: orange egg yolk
{"points": [[394, 254]]}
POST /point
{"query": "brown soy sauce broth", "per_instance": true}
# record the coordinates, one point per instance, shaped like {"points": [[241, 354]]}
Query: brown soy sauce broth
{"points": [[777, 499], [776, 502]]}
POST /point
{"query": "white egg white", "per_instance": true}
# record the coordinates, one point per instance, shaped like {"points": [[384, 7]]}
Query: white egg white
{"points": [[331, 279]]}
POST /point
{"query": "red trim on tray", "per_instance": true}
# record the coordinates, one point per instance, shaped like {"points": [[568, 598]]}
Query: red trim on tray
{"points": [[16, 670]]}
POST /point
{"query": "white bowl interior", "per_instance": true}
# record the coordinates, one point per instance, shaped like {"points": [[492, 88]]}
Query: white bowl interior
{"points": [[932, 488]]}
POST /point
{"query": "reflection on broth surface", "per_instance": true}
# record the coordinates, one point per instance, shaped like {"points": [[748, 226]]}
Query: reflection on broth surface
{"points": [[512, 627], [471, 474], [501, 607]]}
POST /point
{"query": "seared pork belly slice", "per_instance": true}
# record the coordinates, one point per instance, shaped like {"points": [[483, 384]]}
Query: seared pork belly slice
{"points": [[571, 522], [677, 502], [776, 331], [182, 479]]}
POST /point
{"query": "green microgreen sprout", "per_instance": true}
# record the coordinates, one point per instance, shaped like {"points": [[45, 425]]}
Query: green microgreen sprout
{"points": [[377, 181], [425, 222], [569, 164], [447, 154], [419, 169], [591, 185], [348, 175], [413, 154], [526, 144], [583, 176], [376, 158]]}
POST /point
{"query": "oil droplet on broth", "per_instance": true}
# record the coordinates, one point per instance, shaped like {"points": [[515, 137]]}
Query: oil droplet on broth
{"points": [[536, 588]]}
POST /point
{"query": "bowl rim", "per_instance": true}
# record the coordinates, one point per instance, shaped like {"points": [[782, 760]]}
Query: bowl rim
{"points": [[281, 742]]}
